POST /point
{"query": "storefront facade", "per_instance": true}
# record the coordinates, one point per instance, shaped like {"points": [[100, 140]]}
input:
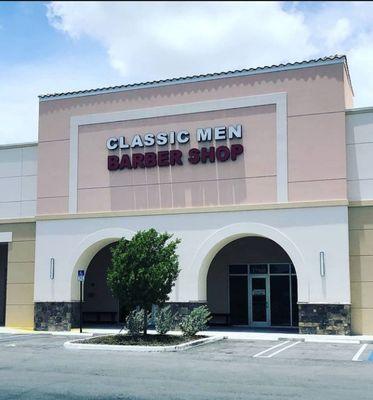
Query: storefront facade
{"points": [[254, 172]]}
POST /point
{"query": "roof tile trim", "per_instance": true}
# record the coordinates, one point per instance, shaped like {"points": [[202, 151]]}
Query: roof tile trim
{"points": [[336, 59]]}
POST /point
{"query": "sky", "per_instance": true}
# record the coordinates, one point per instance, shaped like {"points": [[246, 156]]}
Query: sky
{"points": [[51, 47]]}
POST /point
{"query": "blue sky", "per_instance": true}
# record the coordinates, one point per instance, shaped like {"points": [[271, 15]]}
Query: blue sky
{"points": [[58, 46]]}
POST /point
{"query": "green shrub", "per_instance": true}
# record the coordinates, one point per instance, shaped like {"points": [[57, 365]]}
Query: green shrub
{"points": [[195, 321], [135, 322], [143, 270], [164, 320]]}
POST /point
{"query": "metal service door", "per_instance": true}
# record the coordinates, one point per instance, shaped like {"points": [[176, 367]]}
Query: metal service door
{"points": [[259, 301]]}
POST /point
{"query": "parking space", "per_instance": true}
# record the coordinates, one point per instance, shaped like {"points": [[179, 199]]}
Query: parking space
{"points": [[6, 339], [291, 349], [255, 349], [321, 351], [31, 341], [221, 370]]}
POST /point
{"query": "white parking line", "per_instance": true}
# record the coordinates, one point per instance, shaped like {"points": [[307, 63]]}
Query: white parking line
{"points": [[271, 348], [359, 352], [284, 348]]}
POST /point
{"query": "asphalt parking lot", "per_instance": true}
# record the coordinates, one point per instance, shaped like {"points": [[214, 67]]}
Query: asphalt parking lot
{"points": [[39, 367]]}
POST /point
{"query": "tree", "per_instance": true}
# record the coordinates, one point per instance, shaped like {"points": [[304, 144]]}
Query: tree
{"points": [[143, 270]]}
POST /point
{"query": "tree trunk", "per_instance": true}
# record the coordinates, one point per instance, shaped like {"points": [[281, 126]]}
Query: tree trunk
{"points": [[145, 322]]}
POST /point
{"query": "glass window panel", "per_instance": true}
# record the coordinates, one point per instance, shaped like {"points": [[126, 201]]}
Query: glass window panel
{"points": [[237, 269], [259, 269], [294, 292], [279, 268], [238, 300], [259, 299], [280, 300], [293, 269]]}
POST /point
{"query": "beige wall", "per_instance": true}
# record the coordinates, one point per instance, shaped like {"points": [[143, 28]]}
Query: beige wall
{"points": [[242, 251], [20, 279], [316, 144], [361, 268]]}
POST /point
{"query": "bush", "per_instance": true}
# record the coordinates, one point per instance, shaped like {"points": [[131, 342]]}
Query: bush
{"points": [[195, 321], [135, 322], [164, 320], [143, 270]]}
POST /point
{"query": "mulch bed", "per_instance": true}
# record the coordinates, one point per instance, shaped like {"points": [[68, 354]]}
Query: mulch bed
{"points": [[142, 340]]}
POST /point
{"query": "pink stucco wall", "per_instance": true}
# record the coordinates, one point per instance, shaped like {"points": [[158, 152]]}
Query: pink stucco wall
{"points": [[316, 145]]}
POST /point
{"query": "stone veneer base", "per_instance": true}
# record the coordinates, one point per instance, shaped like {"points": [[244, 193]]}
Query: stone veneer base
{"points": [[56, 316], [325, 319], [322, 319], [62, 316]]}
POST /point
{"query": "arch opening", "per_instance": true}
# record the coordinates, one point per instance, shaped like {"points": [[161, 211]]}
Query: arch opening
{"points": [[99, 305], [251, 281]]}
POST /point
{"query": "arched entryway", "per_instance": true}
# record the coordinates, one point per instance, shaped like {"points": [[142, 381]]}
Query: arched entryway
{"points": [[251, 281], [92, 255], [99, 305]]}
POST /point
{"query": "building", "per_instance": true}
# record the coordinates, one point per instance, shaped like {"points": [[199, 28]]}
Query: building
{"points": [[264, 174]]}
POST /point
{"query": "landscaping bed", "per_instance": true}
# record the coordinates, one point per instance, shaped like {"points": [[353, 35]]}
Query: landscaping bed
{"points": [[141, 340], [148, 343]]}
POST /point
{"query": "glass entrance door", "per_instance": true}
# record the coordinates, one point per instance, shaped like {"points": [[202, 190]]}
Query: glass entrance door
{"points": [[259, 301]]}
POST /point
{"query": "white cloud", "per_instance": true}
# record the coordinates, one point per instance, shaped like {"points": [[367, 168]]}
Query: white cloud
{"points": [[146, 41], [159, 40], [339, 33]]}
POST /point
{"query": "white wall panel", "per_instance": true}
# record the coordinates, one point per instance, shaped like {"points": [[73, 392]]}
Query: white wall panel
{"points": [[18, 180], [29, 187], [29, 160], [10, 210], [28, 208], [10, 162], [10, 189], [359, 127]]}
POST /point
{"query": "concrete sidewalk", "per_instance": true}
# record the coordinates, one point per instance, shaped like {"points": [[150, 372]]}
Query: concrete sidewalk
{"points": [[229, 333]]}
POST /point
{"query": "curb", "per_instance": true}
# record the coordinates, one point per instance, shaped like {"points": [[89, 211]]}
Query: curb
{"points": [[75, 345], [292, 339], [83, 334], [365, 341]]}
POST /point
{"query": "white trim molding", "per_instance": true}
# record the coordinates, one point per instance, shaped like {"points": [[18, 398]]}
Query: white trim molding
{"points": [[277, 99], [6, 237]]}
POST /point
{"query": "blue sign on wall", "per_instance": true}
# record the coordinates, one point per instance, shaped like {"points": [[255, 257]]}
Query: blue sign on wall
{"points": [[81, 274]]}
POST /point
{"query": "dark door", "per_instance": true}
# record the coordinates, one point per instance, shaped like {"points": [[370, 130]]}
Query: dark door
{"points": [[3, 275], [238, 299]]}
